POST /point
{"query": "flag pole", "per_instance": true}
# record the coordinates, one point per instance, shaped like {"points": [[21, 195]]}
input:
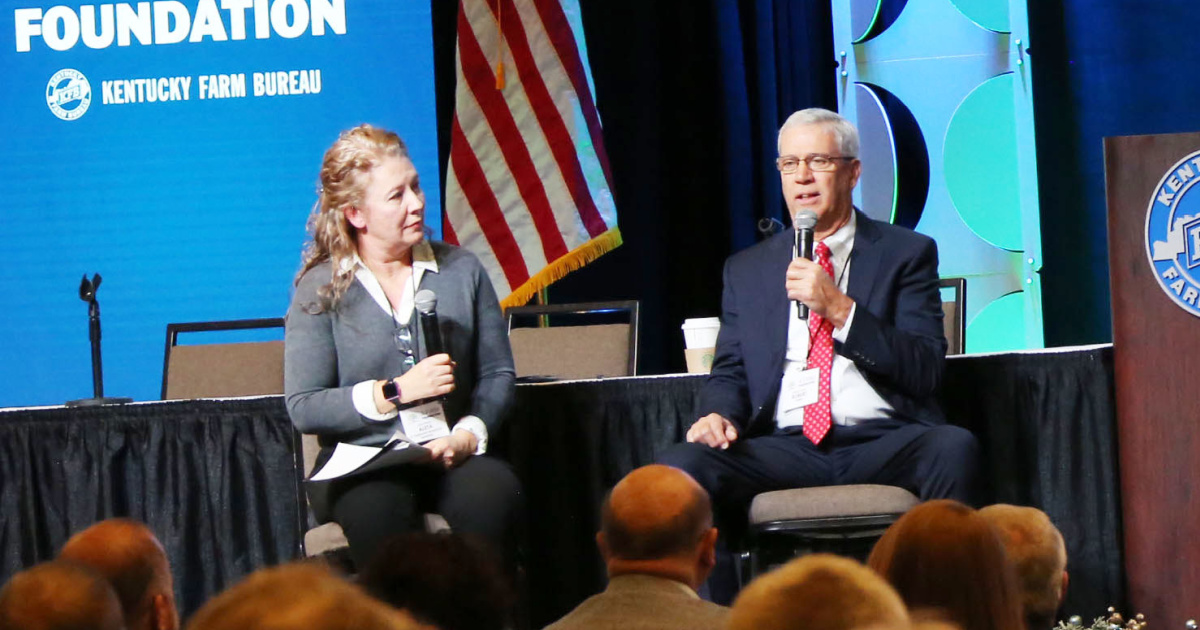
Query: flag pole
{"points": [[543, 298]]}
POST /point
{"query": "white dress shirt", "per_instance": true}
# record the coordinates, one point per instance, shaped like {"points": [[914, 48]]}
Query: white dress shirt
{"points": [[852, 399]]}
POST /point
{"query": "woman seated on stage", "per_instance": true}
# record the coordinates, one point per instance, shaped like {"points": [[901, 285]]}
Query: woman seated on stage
{"points": [[355, 365]]}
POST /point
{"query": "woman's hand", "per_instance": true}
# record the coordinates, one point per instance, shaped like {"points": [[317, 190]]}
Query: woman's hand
{"points": [[433, 376], [453, 449]]}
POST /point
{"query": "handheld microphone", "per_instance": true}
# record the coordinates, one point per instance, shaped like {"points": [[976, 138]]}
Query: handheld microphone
{"points": [[804, 222], [426, 303]]}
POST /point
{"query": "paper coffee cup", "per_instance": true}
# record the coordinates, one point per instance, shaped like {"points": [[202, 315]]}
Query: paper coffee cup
{"points": [[701, 332], [699, 360]]}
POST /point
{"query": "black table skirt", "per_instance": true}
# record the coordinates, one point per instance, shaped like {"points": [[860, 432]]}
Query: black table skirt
{"points": [[219, 480], [215, 480], [1045, 422]]}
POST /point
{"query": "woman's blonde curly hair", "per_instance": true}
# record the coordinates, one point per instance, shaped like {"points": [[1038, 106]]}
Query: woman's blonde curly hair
{"points": [[343, 182]]}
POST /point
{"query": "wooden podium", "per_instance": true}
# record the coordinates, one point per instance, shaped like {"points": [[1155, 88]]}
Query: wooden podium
{"points": [[1156, 356]]}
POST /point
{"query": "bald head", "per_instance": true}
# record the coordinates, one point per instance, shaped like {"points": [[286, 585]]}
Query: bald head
{"points": [[1035, 547], [129, 556], [59, 596], [655, 512], [819, 592]]}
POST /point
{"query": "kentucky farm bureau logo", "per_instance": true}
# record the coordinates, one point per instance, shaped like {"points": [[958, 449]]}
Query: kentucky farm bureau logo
{"points": [[68, 94], [1173, 233]]}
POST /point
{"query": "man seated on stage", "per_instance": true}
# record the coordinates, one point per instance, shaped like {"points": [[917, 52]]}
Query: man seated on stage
{"points": [[59, 594], [658, 541], [130, 557], [1036, 549], [848, 396]]}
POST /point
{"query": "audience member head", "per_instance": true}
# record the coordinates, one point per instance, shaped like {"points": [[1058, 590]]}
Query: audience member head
{"points": [[1036, 549], [441, 579], [128, 555], [297, 596], [345, 175], [943, 554], [59, 595], [658, 521], [819, 592]]}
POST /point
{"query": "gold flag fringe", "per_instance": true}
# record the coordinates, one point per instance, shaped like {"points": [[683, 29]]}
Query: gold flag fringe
{"points": [[556, 270]]}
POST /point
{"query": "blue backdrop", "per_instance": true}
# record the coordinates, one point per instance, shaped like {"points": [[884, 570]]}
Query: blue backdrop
{"points": [[191, 209]]}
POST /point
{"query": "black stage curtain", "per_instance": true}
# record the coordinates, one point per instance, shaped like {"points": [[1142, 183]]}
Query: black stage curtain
{"points": [[215, 480], [218, 480], [691, 94]]}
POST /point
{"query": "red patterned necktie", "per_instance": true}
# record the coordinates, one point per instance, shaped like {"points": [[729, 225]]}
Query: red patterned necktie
{"points": [[820, 356]]}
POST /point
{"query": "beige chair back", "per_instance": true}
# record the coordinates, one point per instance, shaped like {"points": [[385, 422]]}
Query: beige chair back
{"points": [[570, 341], [222, 370], [571, 351], [954, 311]]}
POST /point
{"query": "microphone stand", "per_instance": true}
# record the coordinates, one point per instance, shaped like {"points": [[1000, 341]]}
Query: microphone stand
{"points": [[87, 293]]}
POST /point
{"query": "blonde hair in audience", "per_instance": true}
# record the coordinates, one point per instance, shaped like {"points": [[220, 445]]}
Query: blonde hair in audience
{"points": [[344, 180], [59, 594], [818, 592], [297, 596], [1038, 553]]}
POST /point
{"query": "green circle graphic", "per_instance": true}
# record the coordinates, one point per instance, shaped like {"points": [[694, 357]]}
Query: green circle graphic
{"points": [[980, 156], [1000, 326], [990, 14]]}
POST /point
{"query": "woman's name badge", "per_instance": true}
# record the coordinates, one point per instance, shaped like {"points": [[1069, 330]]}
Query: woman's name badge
{"points": [[425, 422], [800, 389]]}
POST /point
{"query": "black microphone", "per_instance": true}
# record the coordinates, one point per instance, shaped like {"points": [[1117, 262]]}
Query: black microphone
{"points": [[426, 303], [804, 222]]}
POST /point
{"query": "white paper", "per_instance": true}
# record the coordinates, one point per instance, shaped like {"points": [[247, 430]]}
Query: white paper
{"points": [[346, 458]]}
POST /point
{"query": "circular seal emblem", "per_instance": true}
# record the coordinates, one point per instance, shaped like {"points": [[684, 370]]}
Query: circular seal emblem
{"points": [[1173, 233], [68, 94]]}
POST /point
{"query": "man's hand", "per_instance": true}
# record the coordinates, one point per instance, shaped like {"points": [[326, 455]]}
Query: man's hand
{"points": [[809, 284], [713, 430], [453, 449]]}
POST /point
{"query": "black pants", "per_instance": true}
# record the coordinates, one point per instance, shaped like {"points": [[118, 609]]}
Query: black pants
{"points": [[931, 462], [480, 497]]}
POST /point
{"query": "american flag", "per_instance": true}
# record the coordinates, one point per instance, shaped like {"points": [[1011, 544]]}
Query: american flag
{"points": [[528, 189]]}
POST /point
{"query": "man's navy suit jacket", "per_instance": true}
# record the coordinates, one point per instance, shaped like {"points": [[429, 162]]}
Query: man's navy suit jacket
{"points": [[896, 338]]}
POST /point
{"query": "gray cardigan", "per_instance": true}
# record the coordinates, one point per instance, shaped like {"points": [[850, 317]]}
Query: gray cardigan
{"points": [[327, 353]]}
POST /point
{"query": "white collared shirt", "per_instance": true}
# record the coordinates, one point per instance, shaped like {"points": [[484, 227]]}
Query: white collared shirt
{"points": [[852, 399], [363, 394]]}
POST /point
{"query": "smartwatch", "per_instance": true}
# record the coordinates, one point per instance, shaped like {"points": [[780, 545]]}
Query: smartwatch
{"points": [[391, 391]]}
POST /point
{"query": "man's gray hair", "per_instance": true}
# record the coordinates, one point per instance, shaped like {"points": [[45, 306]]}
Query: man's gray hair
{"points": [[843, 132]]}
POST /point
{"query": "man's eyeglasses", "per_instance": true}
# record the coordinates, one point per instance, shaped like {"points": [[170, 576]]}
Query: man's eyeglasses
{"points": [[815, 162]]}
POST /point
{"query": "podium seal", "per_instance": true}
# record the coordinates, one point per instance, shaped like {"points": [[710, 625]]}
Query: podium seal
{"points": [[1173, 233]]}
